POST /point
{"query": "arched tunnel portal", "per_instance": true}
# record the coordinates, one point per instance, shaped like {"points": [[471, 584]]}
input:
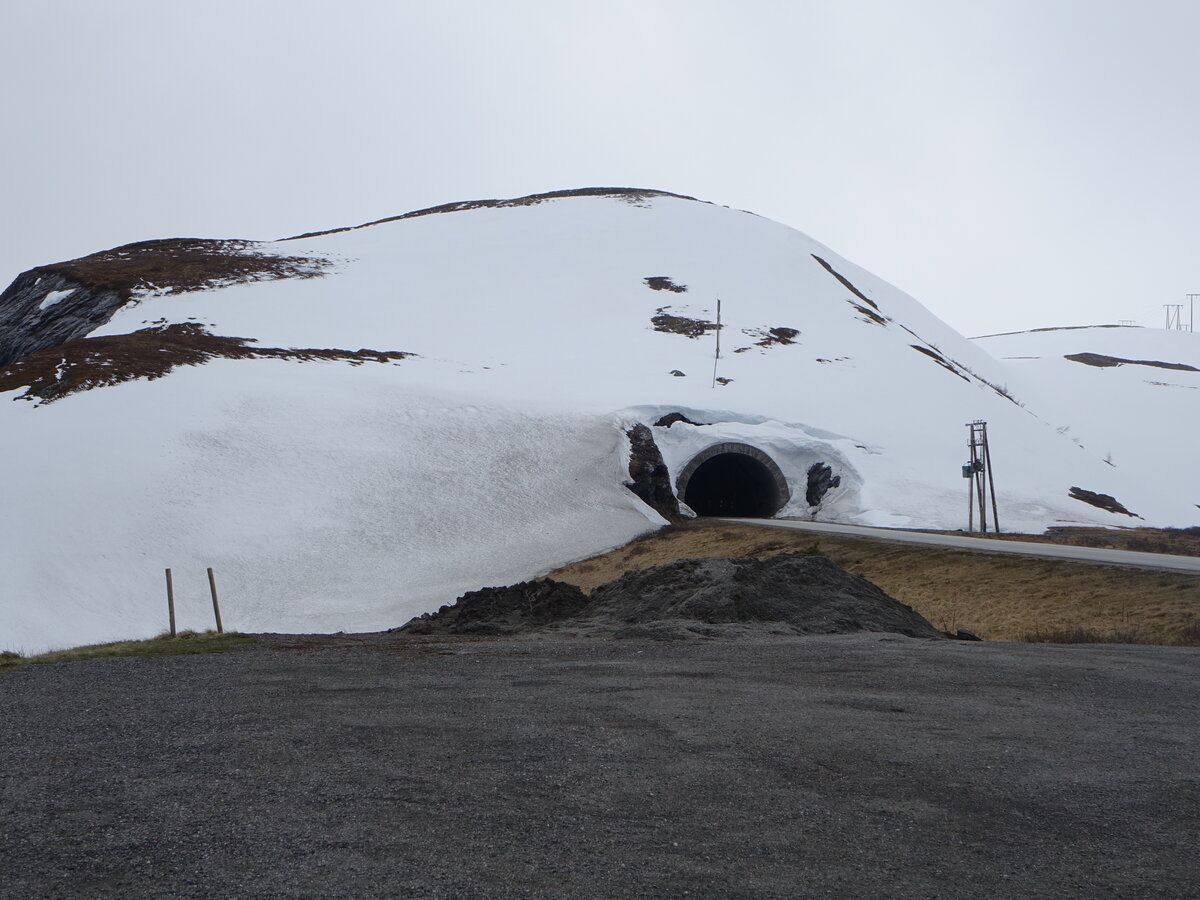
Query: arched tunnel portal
{"points": [[732, 479]]}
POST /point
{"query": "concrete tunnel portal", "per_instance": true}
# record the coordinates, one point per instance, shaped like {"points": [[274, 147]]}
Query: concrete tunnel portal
{"points": [[733, 479]]}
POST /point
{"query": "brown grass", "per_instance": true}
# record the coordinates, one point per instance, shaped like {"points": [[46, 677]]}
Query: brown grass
{"points": [[996, 596], [1177, 541], [179, 265], [634, 196], [150, 353]]}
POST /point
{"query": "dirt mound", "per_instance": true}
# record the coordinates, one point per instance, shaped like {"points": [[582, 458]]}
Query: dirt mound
{"points": [[516, 609], [787, 594]]}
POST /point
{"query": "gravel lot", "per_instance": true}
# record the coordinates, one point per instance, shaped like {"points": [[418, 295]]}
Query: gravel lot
{"points": [[383, 765]]}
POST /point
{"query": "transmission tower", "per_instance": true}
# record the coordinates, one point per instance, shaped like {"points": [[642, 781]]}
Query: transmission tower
{"points": [[979, 472], [1192, 311], [1174, 316]]}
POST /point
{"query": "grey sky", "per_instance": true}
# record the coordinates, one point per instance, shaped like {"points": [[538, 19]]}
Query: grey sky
{"points": [[1010, 163]]}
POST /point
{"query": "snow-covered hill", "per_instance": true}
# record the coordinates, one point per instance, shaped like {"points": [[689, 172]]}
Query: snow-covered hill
{"points": [[1129, 395], [356, 426]]}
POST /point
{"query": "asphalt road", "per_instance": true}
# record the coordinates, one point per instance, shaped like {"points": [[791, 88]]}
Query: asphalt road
{"points": [[384, 766], [1024, 548]]}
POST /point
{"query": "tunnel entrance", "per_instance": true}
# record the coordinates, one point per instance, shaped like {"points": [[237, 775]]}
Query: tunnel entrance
{"points": [[733, 480]]}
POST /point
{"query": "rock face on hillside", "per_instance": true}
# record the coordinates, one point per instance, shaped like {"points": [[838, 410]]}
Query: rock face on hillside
{"points": [[784, 594], [61, 302], [45, 309]]}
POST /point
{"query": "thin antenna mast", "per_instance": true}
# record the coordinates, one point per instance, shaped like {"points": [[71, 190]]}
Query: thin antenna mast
{"points": [[718, 353]]}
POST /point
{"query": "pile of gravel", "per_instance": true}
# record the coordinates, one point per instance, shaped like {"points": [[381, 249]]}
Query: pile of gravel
{"points": [[787, 594]]}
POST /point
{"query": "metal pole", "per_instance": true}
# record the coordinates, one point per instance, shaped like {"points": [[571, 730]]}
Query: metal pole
{"points": [[717, 356], [971, 483]]}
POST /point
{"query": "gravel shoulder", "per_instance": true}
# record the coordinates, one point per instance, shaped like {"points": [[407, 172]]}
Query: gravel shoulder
{"points": [[387, 765]]}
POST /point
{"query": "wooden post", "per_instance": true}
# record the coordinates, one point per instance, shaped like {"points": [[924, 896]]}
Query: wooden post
{"points": [[212, 586], [987, 455], [171, 602]]}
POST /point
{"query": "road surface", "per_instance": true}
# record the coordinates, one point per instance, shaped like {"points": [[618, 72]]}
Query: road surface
{"points": [[987, 545]]}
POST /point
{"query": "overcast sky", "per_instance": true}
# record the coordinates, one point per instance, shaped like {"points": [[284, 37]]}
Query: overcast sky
{"points": [[1010, 163]]}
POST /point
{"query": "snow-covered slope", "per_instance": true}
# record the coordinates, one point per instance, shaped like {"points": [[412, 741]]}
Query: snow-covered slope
{"points": [[480, 435], [1129, 395]]}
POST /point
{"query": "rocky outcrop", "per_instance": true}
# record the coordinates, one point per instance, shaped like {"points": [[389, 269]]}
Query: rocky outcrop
{"points": [[821, 480], [650, 478], [42, 309], [1106, 502], [61, 302]]}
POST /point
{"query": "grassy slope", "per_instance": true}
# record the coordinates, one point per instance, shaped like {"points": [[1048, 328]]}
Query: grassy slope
{"points": [[185, 643], [999, 597]]}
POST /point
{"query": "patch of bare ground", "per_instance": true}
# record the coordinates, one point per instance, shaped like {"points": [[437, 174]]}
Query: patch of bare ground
{"points": [[1176, 541], [1100, 361], [664, 283], [770, 337], [149, 353], [634, 196], [996, 596], [179, 265], [668, 323]]}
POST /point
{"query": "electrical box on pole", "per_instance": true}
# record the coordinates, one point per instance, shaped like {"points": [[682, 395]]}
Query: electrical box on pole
{"points": [[978, 471]]}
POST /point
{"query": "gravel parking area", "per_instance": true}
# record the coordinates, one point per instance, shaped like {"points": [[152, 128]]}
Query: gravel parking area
{"points": [[383, 765]]}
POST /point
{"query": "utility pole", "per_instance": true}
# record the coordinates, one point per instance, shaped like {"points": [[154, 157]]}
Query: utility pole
{"points": [[979, 472], [1174, 316]]}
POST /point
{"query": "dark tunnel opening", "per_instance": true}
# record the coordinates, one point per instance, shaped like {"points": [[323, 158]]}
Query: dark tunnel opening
{"points": [[733, 484]]}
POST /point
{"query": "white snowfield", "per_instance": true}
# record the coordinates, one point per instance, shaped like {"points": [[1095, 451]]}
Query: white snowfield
{"points": [[331, 496]]}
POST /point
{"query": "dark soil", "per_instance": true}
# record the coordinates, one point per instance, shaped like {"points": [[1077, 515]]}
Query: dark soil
{"points": [[1101, 501], [785, 594], [1100, 361], [516, 609], [671, 324], [663, 283], [629, 195], [149, 353]]}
